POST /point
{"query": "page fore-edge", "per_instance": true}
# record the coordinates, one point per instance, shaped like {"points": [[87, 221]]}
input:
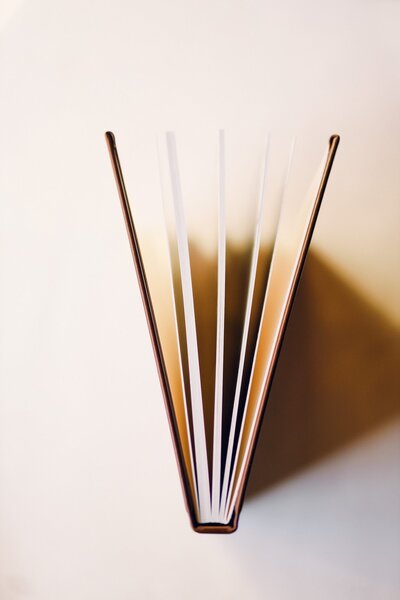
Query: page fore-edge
{"points": [[155, 340]]}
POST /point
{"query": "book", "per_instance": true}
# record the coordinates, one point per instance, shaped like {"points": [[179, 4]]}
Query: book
{"points": [[217, 359]]}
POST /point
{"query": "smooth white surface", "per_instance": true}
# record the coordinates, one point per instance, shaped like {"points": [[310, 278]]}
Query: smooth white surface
{"points": [[90, 502]]}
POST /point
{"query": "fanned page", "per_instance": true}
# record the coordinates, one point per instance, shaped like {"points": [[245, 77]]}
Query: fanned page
{"points": [[219, 366], [199, 436], [244, 342], [230, 309], [288, 251]]}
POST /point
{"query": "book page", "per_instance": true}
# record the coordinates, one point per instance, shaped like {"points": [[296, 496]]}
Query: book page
{"points": [[219, 366], [246, 326], [290, 244], [155, 257], [200, 447]]}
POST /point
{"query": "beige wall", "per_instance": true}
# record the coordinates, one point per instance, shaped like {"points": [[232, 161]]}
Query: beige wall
{"points": [[90, 503]]}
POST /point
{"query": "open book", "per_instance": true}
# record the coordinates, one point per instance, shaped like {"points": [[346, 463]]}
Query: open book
{"points": [[226, 340]]}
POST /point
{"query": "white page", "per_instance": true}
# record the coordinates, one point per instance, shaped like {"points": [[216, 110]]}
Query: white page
{"points": [[288, 250], [176, 287], [191, 336], [219, 368], [249, 302]]}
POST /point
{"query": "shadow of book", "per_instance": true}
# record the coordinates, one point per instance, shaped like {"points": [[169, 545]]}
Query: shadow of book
{"points": [[337, 378]]}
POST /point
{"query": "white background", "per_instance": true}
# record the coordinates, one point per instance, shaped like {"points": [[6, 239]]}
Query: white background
{"points": [[90, 502]]}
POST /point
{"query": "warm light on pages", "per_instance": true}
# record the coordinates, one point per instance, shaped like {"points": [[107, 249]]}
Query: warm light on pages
{"points": [[217, 320]]}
